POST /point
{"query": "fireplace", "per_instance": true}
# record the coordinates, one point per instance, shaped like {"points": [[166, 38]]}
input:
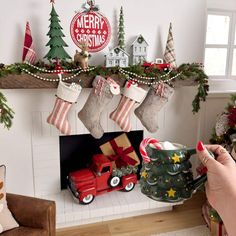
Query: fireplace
{"points": [[76, 151], [48, 156]]}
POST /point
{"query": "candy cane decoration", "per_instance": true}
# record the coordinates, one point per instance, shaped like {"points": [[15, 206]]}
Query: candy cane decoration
{"points": [[143, 145]]}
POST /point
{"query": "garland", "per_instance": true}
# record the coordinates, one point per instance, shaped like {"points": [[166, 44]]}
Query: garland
{"points": [[225, 131], [138, 73], [6, 113], [56, 71]]}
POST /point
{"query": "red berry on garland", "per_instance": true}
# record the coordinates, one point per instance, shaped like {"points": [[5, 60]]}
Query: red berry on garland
{"points": [[232, 117]]}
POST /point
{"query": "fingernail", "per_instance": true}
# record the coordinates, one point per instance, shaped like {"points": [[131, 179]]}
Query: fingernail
{"points": [[200, 146]]}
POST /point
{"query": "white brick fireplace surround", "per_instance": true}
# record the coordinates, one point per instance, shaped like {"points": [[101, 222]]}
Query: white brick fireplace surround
{"points": [[31, 151], [46, 173]]}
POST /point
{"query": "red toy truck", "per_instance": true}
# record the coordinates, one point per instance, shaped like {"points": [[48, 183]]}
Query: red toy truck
{"points": [[99, 178], [159, 64]]}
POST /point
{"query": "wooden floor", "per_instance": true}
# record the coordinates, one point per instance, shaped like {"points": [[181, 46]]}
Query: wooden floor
{"points": [[184, 216]]}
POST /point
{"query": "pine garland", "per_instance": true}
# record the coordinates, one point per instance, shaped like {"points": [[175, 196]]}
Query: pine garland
{"points": [[192, 72], [6, 113], [125, 170]]}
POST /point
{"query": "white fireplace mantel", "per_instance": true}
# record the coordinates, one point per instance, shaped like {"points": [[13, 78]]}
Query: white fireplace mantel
{"points": [[31, 149]]}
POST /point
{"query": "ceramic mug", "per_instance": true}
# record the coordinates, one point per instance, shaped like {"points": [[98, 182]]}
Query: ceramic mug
{"points": [[166, 175]]}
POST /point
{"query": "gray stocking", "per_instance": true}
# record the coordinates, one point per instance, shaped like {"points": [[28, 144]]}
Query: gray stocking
{"points": [[156, 98], [98, 100]]}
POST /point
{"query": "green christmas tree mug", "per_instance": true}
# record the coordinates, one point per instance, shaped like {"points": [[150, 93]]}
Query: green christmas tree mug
{"points": [[166, 175]]}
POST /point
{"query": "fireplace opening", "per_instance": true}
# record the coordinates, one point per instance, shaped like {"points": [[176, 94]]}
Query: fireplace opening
{"points": [[76, 151]]}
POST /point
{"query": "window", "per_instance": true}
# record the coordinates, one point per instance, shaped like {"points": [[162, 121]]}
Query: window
{"points": [[220, 45]]}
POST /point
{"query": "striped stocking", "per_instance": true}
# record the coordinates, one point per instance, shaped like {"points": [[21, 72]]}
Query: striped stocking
{"points": [[122, 113], [67, 94], [58, 117], [131, 95]]}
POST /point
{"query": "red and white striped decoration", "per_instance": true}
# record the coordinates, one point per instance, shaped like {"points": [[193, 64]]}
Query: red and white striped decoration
{"points": [[122, 113], [29, 54], [160, 89], [142, 148], [58, 117], [99, 86]]}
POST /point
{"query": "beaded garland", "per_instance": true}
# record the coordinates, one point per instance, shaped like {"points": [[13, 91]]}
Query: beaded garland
{"points": [[80, 70], [143, 77], [128, 73]]}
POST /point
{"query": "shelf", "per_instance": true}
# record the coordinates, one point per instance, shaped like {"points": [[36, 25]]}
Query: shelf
{"points": [[25, 81]]}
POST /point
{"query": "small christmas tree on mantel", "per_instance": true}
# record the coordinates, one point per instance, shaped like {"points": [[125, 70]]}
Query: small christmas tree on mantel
{"points": [[56, 43], [121, 33]]}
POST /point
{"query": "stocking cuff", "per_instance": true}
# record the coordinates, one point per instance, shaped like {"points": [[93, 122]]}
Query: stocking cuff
{"points": [[163, 90], [133, 92], [98, 78], [100, 83], [68, 92]]}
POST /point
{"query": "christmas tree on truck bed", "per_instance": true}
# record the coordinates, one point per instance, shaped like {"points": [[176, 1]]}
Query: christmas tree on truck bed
{"points": [[56, 42]]}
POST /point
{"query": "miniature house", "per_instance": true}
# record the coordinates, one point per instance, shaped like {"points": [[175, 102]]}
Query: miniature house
{"points": [[117, 57], [139, 50]]}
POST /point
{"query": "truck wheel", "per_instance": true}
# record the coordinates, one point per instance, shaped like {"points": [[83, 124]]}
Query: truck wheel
{"points": [[88, 199], [129, 186], [114, 181]]}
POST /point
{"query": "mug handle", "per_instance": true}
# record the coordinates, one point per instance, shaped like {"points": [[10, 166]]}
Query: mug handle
{"points": [[199, 181]]}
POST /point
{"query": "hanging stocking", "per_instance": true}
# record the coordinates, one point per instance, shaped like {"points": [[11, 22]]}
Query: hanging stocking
{"points": [[156, 98], [98, 100], [67, 94], [132, 94]]}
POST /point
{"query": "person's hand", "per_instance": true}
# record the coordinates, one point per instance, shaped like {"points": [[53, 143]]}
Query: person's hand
{"points": [[221, 182]]}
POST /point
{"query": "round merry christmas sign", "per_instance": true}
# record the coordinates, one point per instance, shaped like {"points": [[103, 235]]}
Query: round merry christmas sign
{"points": [[91, 27]]}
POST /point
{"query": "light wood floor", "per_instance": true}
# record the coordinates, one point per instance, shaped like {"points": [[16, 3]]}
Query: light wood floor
{"points": [[184, 216]]}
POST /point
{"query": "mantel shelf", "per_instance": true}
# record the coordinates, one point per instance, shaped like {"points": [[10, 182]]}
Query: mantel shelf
{"points": [[25, 81]]}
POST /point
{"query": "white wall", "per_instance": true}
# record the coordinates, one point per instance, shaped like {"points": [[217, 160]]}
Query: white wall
{"points": [[222, 5], [151, 18]]}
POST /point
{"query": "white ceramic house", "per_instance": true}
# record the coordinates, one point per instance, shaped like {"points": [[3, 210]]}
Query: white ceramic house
{"points": [[117, 57], [139, 50]]}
